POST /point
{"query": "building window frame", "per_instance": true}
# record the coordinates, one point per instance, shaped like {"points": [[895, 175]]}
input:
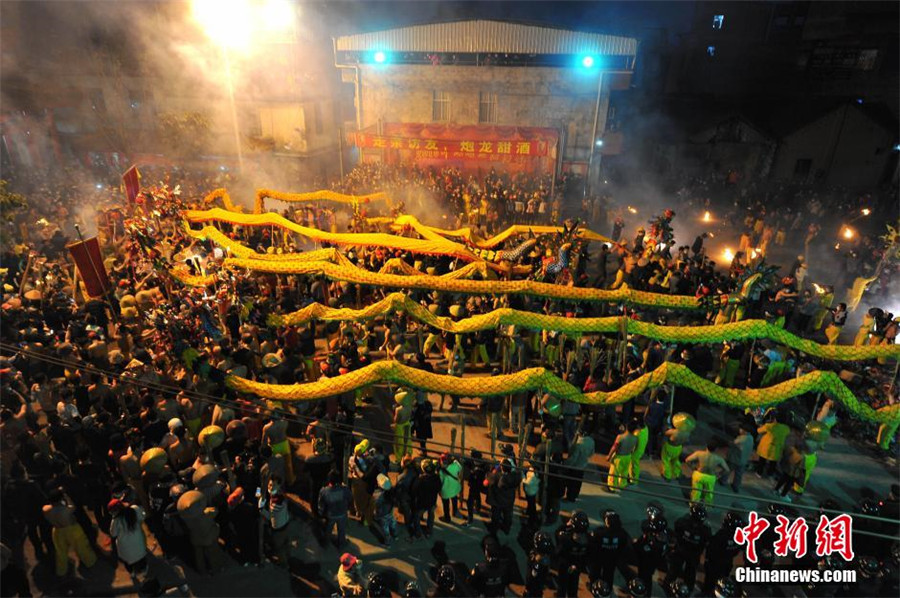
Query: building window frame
{"points": [[440, 106], [487, 108]]}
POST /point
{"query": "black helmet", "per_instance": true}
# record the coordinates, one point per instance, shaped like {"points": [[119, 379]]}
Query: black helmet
{"points": [[411, 590], [766, 557], [637, 588], [680, 589], [868, 567], [491, 548], [600, 589], [542, 543], [733, 520], [698, 511], [831, 562], [895, 553], [655, 509], [868, 506], [658, 524], [726, 588], [376, 588], [580, 521], [775, 508], [446, 577], [611, 519]]}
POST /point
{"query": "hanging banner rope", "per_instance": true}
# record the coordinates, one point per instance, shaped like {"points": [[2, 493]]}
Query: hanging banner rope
{"points": [[540, 378]]}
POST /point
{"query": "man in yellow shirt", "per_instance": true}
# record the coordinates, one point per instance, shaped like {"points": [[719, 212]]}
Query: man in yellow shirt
{"points": [[772, 435], [708, 466]]}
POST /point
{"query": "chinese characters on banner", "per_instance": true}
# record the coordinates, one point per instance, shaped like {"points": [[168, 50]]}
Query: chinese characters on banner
{"points": [[832, 536], [502, 150]]}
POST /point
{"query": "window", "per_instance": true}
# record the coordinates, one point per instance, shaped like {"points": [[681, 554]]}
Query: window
{"points": [[440, 106], [718, 21], [802, 168], [317, 115], [711, 50], [487, 107]]}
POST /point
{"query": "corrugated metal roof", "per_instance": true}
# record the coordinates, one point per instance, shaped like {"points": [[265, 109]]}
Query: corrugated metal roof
{"points": [[471, 37]]}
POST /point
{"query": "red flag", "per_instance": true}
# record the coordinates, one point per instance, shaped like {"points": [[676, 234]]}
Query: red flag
{"points": [[90, 265], [132, 181]]}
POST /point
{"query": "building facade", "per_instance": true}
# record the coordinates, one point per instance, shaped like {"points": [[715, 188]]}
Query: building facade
{"points": [[103, 97], [485, 94]]}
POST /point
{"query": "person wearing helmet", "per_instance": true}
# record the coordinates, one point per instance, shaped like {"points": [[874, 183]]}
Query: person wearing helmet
{"points": [[863, 543], [727, 587], [708, 466], [637, 588], [620, 458], [490, 577], [376, 586], [502, 484], [600, 589], [720, 552], [446, 584], [572, 546], [610, 545], [540, 560], [692, 534], [411, 590], [651, 547]]}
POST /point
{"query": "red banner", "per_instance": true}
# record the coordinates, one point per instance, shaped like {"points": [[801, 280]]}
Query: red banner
{"points": [[470, 149], [90, 266], [132, 181]]}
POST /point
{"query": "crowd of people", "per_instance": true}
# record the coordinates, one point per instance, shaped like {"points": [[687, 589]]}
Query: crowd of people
{"points": [[117, 421]]}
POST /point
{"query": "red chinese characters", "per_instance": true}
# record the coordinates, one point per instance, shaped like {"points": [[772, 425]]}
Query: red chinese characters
{"points": [[835, 536], [791, 536], [750, 534]]}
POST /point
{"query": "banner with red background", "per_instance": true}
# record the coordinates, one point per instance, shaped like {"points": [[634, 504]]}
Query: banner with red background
{"points": [[522, 148]]}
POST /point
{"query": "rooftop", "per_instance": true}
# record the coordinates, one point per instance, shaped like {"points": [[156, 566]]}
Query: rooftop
{"points": [[483, 36]]}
